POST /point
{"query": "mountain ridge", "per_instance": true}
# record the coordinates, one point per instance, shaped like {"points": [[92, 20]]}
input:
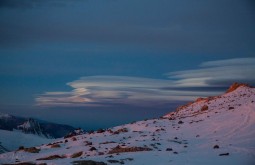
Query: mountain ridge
{"points": [[34, 126]]}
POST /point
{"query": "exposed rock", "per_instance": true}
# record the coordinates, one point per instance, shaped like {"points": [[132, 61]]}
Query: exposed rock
{"points": [[32, 150], [180, 122], [77, 154], [92, 149], [235, 86], [183, 107], [204, 108], [21, 148], [76, 132], [129, 159], [100, 131], [88, 162], [216, 147], [107, 142], [120, 131], [113, 161], [119, 149], [224, 154], [200, 99], [23, 163], [52, 157], [88, 143], [55, 146]]}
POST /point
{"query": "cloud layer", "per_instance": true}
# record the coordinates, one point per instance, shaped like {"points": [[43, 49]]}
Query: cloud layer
{"points": [[209, 79], [217, 73], [171, 25]]}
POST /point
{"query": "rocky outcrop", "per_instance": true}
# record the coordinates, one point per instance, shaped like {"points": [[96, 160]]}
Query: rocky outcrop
{"points": [[235, 86]]}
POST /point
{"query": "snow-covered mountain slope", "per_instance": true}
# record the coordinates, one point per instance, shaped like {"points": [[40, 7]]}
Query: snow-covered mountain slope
{"points": [[216, 130], [12, 140], [33, 126]]}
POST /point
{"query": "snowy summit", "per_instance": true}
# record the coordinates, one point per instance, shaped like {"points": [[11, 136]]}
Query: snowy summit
{"points": [[214, 130]]}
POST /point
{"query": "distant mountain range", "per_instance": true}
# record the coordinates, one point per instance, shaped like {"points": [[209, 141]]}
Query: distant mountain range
{"points": [[33, 126], [18, 131]]}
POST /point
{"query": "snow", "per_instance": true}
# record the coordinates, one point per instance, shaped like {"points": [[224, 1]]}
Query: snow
{"points": [[3, 115], [26, 125], [12, 140], [229, 122]]}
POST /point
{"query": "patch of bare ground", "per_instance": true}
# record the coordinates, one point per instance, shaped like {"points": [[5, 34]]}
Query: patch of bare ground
{"points": [[52, 157], [119, 149], [31, 150], [77, 154]]}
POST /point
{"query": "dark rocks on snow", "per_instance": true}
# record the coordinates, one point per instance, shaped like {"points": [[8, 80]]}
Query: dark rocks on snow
{"points": [[115, 161], [122, 130], [119, 149], [216, 147], [88, 162], [55, 146], [21, 147], [204, 108], [76, 155], [52, 157], [25, 163], [92, 149], [88, 143], [100, 131], [180, 122], [224, 154], [31, 150]]}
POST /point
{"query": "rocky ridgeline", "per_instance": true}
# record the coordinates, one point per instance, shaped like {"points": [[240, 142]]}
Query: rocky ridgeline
{"points": [[202, 104]]}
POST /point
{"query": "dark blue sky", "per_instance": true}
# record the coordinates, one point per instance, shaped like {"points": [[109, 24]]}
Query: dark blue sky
{"points": [[98, 63]]}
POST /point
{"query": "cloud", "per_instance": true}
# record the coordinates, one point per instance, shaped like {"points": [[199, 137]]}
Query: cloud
{"points": [[217, 73], [211, 78], [147, 24], [109, 90]]}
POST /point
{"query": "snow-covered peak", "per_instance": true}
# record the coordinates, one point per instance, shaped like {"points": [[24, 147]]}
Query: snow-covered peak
{"points": [[31, 126], [26, 125]]}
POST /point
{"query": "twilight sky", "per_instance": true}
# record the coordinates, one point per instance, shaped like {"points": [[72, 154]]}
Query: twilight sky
{"points": [[99, 63]]}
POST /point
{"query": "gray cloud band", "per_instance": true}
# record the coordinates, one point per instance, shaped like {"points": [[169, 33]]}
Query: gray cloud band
{"points": [[181, 86]]}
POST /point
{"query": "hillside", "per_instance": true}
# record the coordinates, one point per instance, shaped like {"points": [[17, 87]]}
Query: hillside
{"points": [[214, 130]]}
